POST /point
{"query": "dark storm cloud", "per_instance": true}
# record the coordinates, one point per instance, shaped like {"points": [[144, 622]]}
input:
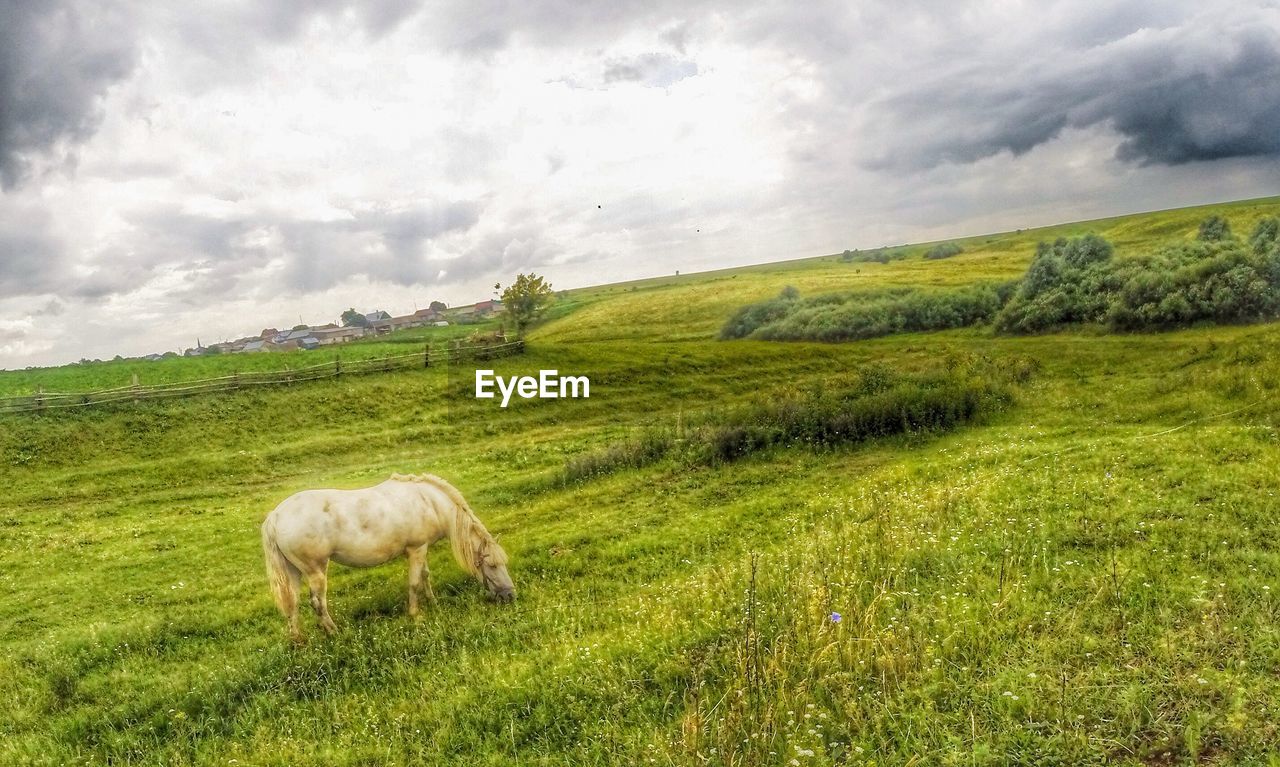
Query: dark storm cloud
{"points": [[57, 59], [1206, 90]]}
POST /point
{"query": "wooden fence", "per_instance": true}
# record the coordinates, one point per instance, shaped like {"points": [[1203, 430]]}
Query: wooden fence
{"points": [[43, 400]]}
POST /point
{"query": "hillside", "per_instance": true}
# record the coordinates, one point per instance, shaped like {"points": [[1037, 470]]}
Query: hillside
{"points": [[1087, 576]]}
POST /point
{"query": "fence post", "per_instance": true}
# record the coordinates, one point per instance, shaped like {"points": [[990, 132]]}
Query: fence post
{"points": [[136, 393], [426, 356], [337, 366], [39, 399], [235, 379]]}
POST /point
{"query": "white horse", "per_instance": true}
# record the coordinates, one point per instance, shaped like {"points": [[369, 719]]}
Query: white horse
{"points": [[367, 527]]}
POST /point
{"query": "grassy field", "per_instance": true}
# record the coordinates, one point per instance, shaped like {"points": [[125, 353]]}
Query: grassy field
{"points": [[109, 374], [1088, 576]]}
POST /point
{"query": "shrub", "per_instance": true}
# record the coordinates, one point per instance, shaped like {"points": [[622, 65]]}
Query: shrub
{"points": [[851, 316], [648, 448], [943, 250], [1214, 229], [748, 318], [1077, 281], [1265, 235]]}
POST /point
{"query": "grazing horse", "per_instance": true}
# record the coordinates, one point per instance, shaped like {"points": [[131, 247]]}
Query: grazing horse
{"points": [[370, 526]]}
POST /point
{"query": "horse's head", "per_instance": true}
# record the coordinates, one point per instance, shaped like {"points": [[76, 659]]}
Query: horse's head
{"points": [[491, 569]]}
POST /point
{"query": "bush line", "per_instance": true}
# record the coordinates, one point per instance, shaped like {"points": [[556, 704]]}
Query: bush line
{"points": [[1215, 278], [880, 404]]}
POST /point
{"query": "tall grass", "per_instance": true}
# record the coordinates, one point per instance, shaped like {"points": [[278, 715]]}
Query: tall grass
{"points": [[879, 403], [877, 256]]}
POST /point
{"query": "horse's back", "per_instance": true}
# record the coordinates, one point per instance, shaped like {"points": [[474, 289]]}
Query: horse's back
{"points": [[360, 528]]}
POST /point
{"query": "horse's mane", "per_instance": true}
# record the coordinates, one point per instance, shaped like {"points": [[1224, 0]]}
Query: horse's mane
{"points": [[469, 537]]}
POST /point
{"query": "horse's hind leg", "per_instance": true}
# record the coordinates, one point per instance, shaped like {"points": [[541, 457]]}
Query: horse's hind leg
{"points": [[290, 608], [318, 584], [417, 572]]}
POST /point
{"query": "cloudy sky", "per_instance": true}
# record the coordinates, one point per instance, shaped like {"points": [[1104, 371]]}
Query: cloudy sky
{"points": [[174, 170]]}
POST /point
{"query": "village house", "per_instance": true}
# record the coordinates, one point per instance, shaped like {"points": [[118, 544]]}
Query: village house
{"points": [[390, 324], [336, 335], [376, 323], [224, 347], [488, 308], [300, 338]]}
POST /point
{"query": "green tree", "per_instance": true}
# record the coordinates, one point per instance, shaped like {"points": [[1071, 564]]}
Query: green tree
{"points": [[438, 306], [351, 318], [525, 298]]}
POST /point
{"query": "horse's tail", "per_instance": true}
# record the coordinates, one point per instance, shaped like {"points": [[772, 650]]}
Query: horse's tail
{"points": [[281, 574]]}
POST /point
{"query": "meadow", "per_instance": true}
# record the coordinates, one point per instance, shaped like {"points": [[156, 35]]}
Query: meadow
{"points": [[89, 376], [1086, 575]]}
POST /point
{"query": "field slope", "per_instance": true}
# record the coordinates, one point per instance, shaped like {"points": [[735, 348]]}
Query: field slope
{"points": [[1088, 576]]}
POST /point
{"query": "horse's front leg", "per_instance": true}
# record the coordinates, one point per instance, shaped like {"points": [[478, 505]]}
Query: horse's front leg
{"points": [[417, 566]]}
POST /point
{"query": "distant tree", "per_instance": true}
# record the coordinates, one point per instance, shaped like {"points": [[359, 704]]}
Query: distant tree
{"points": [[353, 319], [1214, 229], [301, 327], [525, 298], [438, 306]]}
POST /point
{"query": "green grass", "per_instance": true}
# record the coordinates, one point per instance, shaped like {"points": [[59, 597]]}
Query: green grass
{"points": [[110, 374], [1088, 576]]}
